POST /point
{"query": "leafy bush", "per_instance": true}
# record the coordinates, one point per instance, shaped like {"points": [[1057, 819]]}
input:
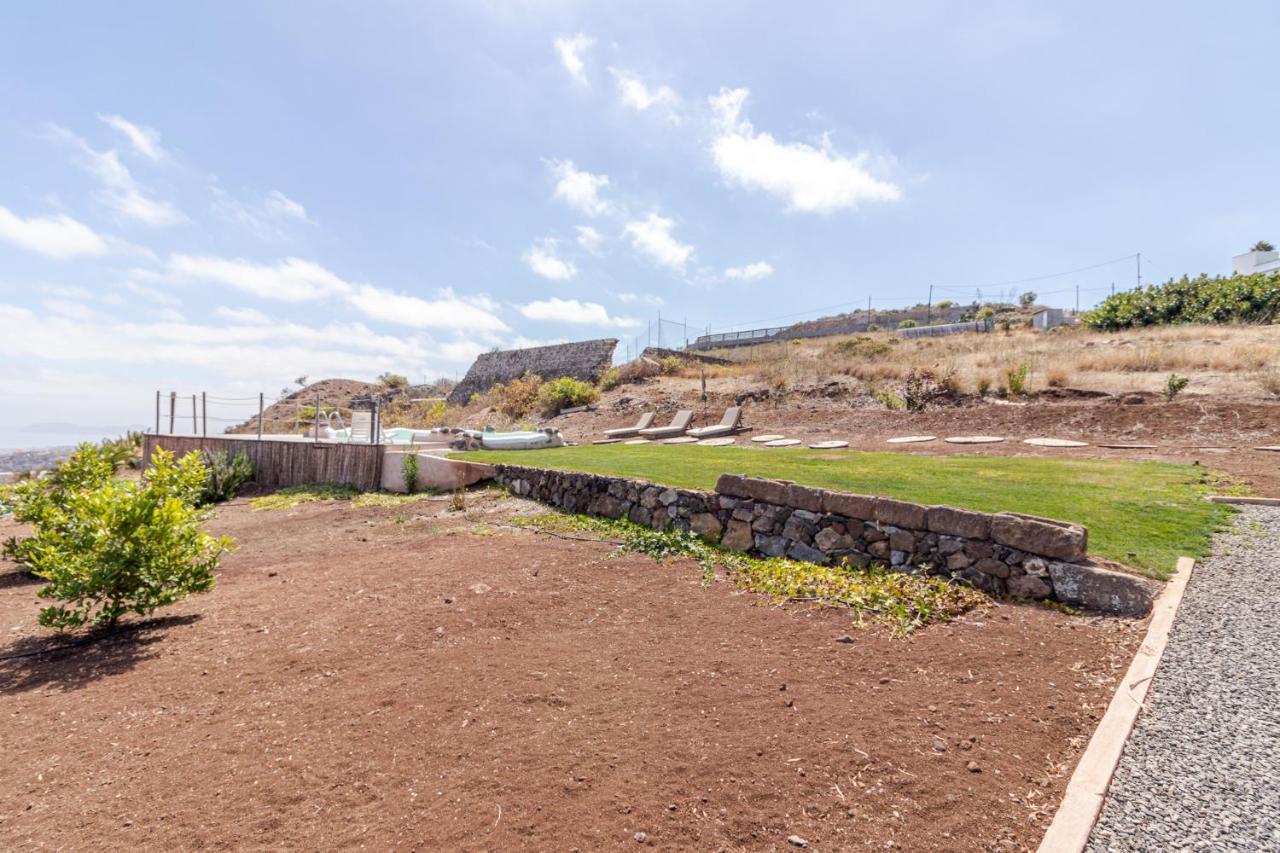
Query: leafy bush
{"points": [[1263, 246], [393, 380], [608, 379], [517, 398], [863, 347], [1235, 299], [565, 393], [1173, 386], [986, 312], [944, 304], [409, 468], [108, 547], [907, 324], [888, 399], [225, 475], [1016, 377], [671, 365], [1027, 299], [922, 387], [873, 327]]}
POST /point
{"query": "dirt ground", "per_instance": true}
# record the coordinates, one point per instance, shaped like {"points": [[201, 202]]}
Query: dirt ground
{"points": [[1219, 434], [419, 679]]}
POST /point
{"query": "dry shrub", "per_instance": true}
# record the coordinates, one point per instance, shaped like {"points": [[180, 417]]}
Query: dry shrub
{"points": [[1270, 382], [516, 398], [1056, 378]]}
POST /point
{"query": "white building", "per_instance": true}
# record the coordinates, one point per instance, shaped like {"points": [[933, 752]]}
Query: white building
{"points": [[1048, 318], [1252, 262]]}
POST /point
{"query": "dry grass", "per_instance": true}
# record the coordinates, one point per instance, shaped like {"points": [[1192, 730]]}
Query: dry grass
{"points": [[1239, 361]]}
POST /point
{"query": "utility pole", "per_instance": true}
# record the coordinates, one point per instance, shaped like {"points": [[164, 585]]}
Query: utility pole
{"points": [[157, 411], [173, 409], [204, 414], [868, 311], [1139, 269]]}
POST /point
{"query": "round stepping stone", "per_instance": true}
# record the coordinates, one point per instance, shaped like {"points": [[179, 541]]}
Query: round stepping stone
{"points": [[911, 439], [637, 441], [680, 439], [828, 445], [1054, 442], [606, 441], [782, 442], [763, 438], [1270, 448], [974, 439], [1129, 446], [716, 442]]}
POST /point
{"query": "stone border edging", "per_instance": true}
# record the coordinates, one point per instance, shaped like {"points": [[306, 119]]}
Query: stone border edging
{"points": [[1082, 802], [1232, 499]]}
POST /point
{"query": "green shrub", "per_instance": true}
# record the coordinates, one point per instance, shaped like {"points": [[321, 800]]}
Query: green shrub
{"points": [[922, 387], [608, 379], [1173, 386], [888, 399], [108, 547], [1235, 299], [409, 468], [565, 393], [863, 347], [873, 327], [225, 475], [393, 380], [1016, 377], [517, 398], [986, 312], [671, 365], [907, 324], [944, 304]]}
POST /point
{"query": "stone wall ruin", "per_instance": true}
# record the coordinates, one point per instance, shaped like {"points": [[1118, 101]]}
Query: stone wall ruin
{"points": [[584, 360]]}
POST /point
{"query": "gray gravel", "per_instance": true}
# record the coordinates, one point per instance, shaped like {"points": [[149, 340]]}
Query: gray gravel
{"points": [[1201, 770]]}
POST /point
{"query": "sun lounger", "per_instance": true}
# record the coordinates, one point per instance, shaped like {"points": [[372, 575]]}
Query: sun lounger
{"points": [[646, 421], [678, 425], [728, 424]]}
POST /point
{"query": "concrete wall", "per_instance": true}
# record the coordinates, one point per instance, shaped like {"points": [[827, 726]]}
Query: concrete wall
{"points": [[584, 360], [434, 471], [1001, 553]]}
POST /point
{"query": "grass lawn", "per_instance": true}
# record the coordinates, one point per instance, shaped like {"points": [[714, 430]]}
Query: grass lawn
{"points": [[1142, 514]]}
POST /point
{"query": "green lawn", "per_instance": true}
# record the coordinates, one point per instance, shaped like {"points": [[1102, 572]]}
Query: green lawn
{"points": [[1142, 514]]}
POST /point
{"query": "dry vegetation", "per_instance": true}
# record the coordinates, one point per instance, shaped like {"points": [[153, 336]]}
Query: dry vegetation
{"points": [[1233, 361]]}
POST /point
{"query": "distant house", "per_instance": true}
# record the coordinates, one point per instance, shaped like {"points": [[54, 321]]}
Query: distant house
{"points": [[1252, 262], [1048, 318]]}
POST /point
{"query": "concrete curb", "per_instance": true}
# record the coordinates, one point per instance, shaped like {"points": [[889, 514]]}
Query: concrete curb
{"points": [[1231, 499], [1082, 802]]}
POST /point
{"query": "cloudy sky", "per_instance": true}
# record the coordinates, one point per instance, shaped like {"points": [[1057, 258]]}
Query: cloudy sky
{"points": [[225, 196]]}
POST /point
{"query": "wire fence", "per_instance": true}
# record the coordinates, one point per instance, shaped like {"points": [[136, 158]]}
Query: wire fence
{"points": [[203, 414]]}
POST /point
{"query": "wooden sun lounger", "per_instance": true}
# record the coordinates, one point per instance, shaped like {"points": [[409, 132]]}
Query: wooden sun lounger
{"points": [[646, 421], [730, 423], [678, 425]]}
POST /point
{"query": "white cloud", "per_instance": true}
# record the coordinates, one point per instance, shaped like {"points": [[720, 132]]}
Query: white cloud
{"points": [[636, 94], [120, 191], [279, 204], [652, 237], [590, 239], [290, 280], [750, 272], [56, 236], [571, 48], [573, 311], [542, 259], [242, 316], [642, 298], [447, 311], [145, 140], [579, 189], [812, 180]]}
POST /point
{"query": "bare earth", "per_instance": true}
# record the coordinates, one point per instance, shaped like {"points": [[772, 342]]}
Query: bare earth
{"points": [[418, 679]]}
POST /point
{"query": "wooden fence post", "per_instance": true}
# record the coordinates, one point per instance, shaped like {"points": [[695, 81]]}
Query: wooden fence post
{"points": [[260, 407]]}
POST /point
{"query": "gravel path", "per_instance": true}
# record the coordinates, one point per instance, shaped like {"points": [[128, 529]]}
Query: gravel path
{"points": [[1201, 770]]}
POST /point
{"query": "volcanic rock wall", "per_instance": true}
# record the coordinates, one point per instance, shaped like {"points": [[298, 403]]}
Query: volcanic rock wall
{"points": [[584, 360]]}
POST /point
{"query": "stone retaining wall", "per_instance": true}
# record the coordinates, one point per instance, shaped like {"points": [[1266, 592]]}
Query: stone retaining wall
{"points": [[584, 360], [1001, 553]]}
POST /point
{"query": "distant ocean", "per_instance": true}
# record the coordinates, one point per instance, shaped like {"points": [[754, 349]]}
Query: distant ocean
{"points": [[40, 436]]}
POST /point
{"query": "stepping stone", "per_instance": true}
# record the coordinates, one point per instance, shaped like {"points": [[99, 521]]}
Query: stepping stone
{"points": [[637, 441], [974, 439], [716, 442], [1054, 442], [764, 438], [606, 441], [911, 439], [1270, 448], [782, 442], [828, 445], [680, 439], [1129, 446]]}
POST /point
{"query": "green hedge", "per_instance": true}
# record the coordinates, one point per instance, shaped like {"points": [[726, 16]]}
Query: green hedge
{"points": [[1235, 299]]}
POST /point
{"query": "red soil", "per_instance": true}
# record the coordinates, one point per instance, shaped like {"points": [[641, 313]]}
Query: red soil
{"points": [[414, 679]]}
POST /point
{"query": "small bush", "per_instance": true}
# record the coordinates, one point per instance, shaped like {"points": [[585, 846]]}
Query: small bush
{"points": [[108, 547], [986, 312], [863, 347], [888, 399], [671, 365], [517, 398], [1016, 377], [1056, 379], [458, 501], [565, 393], [225, 475], [907, 324], [984, 386], [944, 304], [922, 387], [1270, 382], [1173, 386], [393, 380], [873, 327], [608, 379], [409, 469]]}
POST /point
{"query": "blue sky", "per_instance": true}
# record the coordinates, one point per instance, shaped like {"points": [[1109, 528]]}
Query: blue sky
{"points": [[227, 196]]}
